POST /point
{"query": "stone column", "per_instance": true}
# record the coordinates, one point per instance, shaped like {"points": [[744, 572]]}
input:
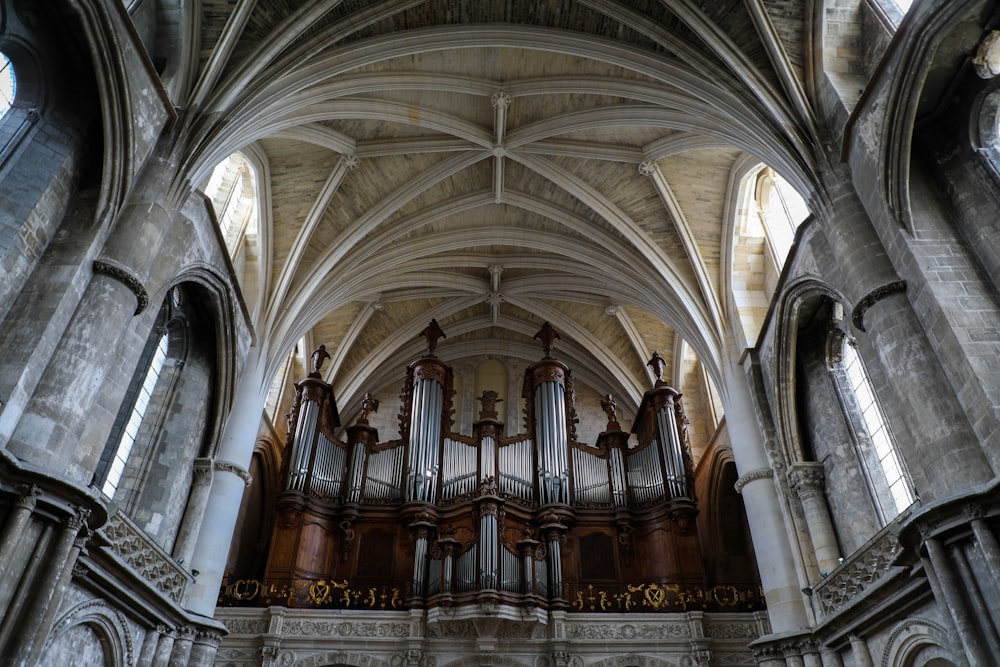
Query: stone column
{"points": [[149, 643], [806, 478], [229, 482], [40, 614], [859, 649], [900, 353], [45, 426], [782, 589], [13, 528], [212, 549], [180, 653], [831, 658], [194, 513], [203, 651], [951, 588], [986, 539], [163, 649]]}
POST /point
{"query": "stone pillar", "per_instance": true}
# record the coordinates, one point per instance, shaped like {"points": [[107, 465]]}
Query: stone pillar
{"points": [[951, 588], [985, 538], [45, 598], [806, 478], [782, 589], [194, 513], [203, 651], [45, 427], [859, 650], [831, 658], [229, 482], [163, 649], [180, 653], [149, 643], [212, 549], [891, 333], [13, 527]]}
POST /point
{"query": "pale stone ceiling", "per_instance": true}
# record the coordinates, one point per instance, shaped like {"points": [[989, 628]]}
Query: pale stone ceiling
{"points": [[584, 146]]}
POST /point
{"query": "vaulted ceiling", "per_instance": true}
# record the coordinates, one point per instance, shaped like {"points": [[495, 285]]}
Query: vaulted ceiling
{"points": [[495, 165]]}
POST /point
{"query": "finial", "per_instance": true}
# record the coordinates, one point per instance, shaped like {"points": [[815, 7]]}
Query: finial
{"points": [[432, 332], [319, 355], [369, 404], [547, 334], [489, 399], [657, 363], [610, 408]]}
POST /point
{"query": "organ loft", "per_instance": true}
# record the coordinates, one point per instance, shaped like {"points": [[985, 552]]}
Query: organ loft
{"points": [[490, 524]]}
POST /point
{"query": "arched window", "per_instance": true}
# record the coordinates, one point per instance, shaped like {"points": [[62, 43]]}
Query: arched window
{"points": [[165, 419], [232, 188], [884, 470], [140, 405], [8, 84], [767, 212], [781, 210]]}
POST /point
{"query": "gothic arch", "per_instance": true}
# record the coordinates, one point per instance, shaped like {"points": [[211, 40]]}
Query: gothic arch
{"points": [[252, 538], [223, 313], [912, 65], [808, 290], [108, 624], [726, 537], [918, 642]]}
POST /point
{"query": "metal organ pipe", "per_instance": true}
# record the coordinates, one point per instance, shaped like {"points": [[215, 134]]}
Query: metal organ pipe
{"points": [[618, 485], [302, 444], [673, 449], [551, 432], [488, 551], [356, 472], [419, 565], [425, 439]]}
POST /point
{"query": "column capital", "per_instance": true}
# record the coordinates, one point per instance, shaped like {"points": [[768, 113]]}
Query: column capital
{"points": [[807, 477]]}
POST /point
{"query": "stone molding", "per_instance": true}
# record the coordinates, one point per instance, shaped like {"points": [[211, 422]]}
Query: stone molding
{"points": [[113, 627], [239, 471], [870, 299], [672, 638], [752, 476], [107, 267]]}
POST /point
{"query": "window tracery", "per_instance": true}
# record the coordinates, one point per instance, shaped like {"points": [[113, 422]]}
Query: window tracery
{"points": [[232, 188], [8, 84], [884, 469], [140, 406]]}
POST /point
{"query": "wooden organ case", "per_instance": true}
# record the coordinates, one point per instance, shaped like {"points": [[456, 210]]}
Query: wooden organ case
{"points": [[525, 522]]}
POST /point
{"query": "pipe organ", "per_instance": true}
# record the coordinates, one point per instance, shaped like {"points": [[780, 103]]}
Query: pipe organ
{"points": [[510, 519]]}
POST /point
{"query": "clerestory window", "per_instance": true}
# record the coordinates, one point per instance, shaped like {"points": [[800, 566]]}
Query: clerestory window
{"points": [[884, 469], [140, 406], [8, 85]]}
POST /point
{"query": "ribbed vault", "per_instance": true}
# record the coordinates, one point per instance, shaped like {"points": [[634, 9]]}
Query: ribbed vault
{"points": [[495, 165]]}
